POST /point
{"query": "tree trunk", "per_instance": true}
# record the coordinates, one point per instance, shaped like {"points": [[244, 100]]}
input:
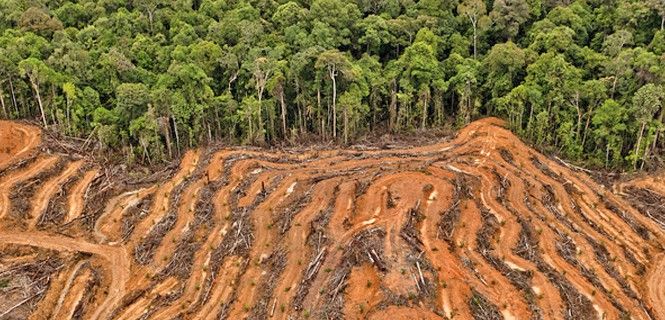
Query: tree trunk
{"points": [[425, 101], [151, 18], [586, 126], [2, 102], [177, 136], [231, 80], [346, 126], [11, 88], [271, 117], [251, 126], [467, 115], [35, 86], [24, 104], [51, 104], [392, 109], [299, 106], [322, 129], [67, 114], [474, 22], [283, 106], [333, 75], [529, 123], [660, 122], [578, 126], [260, 127], [217, 122], [146, 154], [167, 136], [645, 156], [637, 145], [440, 106], [301, 120]]}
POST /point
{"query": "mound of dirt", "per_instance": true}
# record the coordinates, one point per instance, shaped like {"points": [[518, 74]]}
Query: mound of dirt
{"points": [[476, 227], [16, 141]]}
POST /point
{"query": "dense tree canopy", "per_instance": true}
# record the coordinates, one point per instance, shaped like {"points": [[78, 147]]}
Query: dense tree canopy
{"points": [[150, 78]]}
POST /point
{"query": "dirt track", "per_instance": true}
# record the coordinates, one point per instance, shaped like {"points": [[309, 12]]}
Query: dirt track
{"points": [[17, 141], [477, 227]]}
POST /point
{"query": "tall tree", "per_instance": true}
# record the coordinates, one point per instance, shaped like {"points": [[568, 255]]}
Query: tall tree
{"points": [[474, 10], [276, 85], [262, 69], [334, 62], [503, 67], [610, 126], [149, 7], [646, 102], [37, 73], [659, 6], [421, 69], [508, 16]]}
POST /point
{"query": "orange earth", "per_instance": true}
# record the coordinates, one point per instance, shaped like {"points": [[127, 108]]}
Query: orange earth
{"points": [[479, 226]]}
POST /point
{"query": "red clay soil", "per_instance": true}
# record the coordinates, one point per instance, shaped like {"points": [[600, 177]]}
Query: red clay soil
{"points": [[17, 141], [479, 226]]}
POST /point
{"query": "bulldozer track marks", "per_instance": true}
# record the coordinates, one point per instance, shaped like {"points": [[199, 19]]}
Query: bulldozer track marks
{"points": [[479, 226]]}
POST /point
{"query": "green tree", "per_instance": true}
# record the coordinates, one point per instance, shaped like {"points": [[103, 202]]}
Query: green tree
{"points": [[646, 102], [508, 16], [334, 62], [376, 34], [609, 123], [132, 100], [276, 85], [149, 7], [262, 69], [503, 67], [70, 95], [421, 69], [39, 21], [334, 20], [465, 81], [659, 6], [37, 73], [475, 11], [146, 131]]}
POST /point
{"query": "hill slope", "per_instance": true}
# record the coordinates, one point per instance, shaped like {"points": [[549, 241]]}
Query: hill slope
{"points": [[480, 226]]}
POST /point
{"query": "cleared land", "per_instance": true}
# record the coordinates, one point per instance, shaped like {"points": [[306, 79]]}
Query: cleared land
{"points": [[476, 227]]}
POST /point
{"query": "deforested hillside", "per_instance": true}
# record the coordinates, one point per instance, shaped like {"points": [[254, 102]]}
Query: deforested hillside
{"points": [[478, 226], [150, 79]]}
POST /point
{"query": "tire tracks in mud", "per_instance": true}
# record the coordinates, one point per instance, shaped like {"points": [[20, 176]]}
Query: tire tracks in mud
{"points": [[479, 226], [117, 259], [17, 140]]}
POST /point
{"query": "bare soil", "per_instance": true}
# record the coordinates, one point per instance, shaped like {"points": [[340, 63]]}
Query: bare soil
{"points": [[474, 226]]}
